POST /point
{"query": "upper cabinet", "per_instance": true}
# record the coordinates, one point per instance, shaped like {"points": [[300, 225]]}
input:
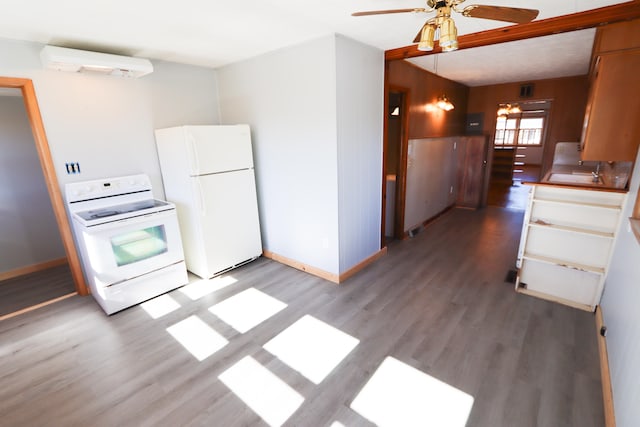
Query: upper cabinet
{"points": [[611, 131]]}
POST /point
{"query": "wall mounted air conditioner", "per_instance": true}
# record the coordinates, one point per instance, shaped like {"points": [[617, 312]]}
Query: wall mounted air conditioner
{"points": [[83, 61]]}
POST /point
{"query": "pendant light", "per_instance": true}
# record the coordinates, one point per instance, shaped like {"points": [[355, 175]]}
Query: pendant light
{"points": [[505, 109], [443, 102]]}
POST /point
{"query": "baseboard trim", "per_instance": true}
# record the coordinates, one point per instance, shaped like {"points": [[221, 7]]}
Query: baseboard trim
{"points": [[302, 266], [32, 268], [37, 306], [356, 268], [427, 222], [607, 391], [335, 278]]}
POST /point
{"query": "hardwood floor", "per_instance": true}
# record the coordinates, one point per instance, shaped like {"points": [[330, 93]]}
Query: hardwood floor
{"points": [[35, 288], [437, 302]]}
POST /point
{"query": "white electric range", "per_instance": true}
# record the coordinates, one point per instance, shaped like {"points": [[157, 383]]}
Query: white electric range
{"points": [[129, 242]]}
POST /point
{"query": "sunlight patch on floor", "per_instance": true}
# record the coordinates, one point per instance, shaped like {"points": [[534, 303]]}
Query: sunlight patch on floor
{"points": [[159, 306], [200, 288], [266, 394], [311, 347], [247, 309], [400, 395], [197, 337]]}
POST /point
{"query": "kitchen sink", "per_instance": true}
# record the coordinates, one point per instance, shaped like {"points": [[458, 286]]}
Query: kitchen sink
{"points": [[574, 178]]}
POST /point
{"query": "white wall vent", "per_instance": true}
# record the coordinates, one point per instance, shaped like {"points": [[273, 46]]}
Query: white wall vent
{"points": [[83, 61]]}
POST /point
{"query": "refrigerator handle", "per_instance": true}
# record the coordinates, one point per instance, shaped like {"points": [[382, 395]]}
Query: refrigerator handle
{"points": [[203, 207], [192, 154]]}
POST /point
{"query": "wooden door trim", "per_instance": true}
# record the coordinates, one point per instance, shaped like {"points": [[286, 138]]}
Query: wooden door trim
{"points": [[544, 27], [51, 180], [401, 175]]}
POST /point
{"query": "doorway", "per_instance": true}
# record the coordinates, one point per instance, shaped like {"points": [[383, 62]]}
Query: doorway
{"points": [[518, 146], [394, 169], [25, 88]]}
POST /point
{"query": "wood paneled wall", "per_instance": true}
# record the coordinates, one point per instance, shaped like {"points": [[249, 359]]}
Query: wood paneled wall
{"points": [[569, 100], [425, 121]]}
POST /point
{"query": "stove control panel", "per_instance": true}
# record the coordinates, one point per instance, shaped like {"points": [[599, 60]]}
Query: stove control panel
{"points": [[99, 188]]}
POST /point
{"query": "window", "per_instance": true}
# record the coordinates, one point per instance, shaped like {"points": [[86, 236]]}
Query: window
{"points": [[520, 129]]}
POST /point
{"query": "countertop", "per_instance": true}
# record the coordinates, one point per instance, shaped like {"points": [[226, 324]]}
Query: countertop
{"points": [[581, 177]]}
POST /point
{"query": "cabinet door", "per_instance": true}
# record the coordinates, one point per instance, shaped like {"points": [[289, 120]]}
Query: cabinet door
{"points": [[611, 129]]}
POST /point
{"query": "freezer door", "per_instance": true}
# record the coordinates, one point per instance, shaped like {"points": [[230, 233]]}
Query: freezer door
{"points": [[214, 149], [230, 224]]}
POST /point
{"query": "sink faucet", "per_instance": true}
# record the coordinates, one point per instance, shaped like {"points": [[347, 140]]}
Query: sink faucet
{"points": [[596, 173]]}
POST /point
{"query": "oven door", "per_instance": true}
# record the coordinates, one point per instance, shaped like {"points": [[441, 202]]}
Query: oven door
{"points": [[128, 248]]}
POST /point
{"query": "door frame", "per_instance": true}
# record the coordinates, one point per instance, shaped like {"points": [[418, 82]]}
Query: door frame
{"points": [[401, 175], [50, 178]]}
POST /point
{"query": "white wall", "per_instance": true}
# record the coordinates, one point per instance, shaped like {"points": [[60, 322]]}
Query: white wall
{"points": [[29, 233], [288, 98], [106, 123], [620, 304], [309, 160], [431, 174], [360, 101]]}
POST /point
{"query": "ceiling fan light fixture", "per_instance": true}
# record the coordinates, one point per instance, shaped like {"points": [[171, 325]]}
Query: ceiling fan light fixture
{"points": [[427, 38], [448, 35]]}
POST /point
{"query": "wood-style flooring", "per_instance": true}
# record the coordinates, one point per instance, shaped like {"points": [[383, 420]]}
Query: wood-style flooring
{"points": [[19, 293], [437, 302]]}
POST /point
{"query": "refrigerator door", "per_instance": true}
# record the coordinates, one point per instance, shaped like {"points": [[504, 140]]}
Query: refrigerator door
{"points": [[215, 149], [230, 224]]}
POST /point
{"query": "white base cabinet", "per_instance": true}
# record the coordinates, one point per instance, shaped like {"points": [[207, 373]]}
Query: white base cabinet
{"points": [[566, 243]]}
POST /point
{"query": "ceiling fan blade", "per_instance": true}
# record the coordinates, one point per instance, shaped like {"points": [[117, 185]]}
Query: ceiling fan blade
{"points": [[382, 12], [499, 13]]}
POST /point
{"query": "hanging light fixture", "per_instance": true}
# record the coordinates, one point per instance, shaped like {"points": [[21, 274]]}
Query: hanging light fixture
{"points": [[505, 109], [444, 103]]}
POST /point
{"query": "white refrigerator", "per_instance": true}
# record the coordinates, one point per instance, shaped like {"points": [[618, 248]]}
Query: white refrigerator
{"points": [[207, 172]]}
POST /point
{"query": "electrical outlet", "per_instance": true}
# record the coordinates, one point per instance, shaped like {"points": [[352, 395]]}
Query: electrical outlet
{"points": [[72, 168]]}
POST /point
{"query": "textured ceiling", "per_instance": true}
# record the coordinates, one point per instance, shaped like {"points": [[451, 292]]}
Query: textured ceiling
{"points": [[214, 32], [560, 55]]}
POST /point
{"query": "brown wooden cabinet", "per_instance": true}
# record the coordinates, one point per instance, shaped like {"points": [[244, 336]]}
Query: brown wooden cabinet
{"points": [[611, 129]]}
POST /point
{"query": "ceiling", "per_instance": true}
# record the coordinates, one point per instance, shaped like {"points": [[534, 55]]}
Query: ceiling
{"points": [[214, 33]]}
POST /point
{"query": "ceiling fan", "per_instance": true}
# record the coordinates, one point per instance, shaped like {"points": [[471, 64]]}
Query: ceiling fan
{"points": [[448, 37]]}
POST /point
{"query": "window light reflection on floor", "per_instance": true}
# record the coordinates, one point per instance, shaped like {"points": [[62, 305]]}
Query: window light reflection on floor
{"points": [[200, 288], [398, 394], [197, 337], [311, 347], [159, 306], [266, 394], [247, 309]]}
